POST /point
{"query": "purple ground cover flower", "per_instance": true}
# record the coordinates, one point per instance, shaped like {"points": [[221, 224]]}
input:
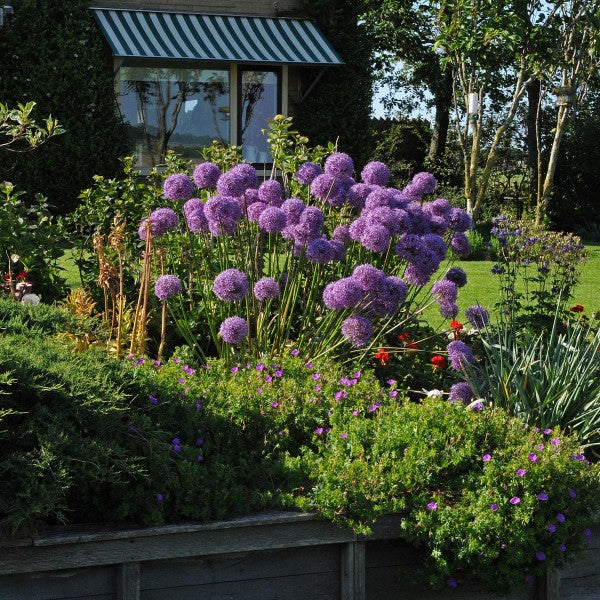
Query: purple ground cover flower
{"points": [[560, 518], [233, 330], [494, 506], [206, 175], [542, 496], [477, 316], [167, 286], [319, 251], [551, 527], [432, 506], [486, 457], [231, 285], [358, 330], [462, 392], [231, 184], [307, 172], [338, 164], [521, 472], [271, 192], [540, 555], [266, 288], [459, 354], [272, 220], [375, 173], [515, 500], [178, 187], [343, 293]]}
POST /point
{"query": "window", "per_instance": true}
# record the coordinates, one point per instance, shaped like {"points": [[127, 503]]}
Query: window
{"points": [[183, 109]]}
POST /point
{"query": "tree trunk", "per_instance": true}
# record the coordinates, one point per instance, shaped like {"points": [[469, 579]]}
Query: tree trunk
{"points": [[443, 99], [533, 101]]}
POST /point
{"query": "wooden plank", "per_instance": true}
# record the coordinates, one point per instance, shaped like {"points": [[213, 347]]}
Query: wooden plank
{"points": [[353, 571], [587, 588], [392, 553], [79, 583], [241, 566], [320, 586], [586, 564], [128, 581]]}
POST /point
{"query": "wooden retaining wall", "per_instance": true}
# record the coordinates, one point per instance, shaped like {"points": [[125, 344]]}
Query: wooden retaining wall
{"points": [[283, 556]]}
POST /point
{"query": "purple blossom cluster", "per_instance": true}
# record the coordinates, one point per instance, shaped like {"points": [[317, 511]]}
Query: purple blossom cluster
{"points": [[206, 175], [162, 220], [167, 286], [222, 214], [231, 285], [178, 187], [477, 316], [459, 355], [193, 211], [234, 330]]}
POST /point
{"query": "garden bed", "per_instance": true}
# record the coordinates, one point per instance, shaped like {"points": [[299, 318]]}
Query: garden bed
{"points": [[267, 555]]}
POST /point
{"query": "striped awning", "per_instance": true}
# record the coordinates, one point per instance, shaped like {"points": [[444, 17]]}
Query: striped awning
{"points": [[217, 38]]}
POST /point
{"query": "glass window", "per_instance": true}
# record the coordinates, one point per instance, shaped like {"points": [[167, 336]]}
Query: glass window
{"points": [[259, 100], [174, 108]]}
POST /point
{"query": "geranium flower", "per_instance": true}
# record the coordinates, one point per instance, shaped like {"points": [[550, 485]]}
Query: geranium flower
{"points": [[577, 308], [382, 356], [438, 362], [456, 326]]}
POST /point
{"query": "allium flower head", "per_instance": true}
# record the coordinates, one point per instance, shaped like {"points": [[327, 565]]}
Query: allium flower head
{"points": [[338, 250], [376, 173], [419, 219], [342, 234], [425, 181], [163, 220], [309, 226], [422, 267], [368, 277], [206, 175], [338, 164], [462, 392], [222, 208], [357, 330], [383, 215], [343, 293], [439, 207], [167, 286], [255, 210], [233, 330], [246, 172], [444, 291], [436, 243], [266, 288], [477, 316], [459, 220], [271, 192], [272, 220], [460, 355], [457, 276], [231, 285], [319, 251], [231, 184], [409, 247], [178, 187], [327, 187], [357, 228], [375, 238], [380, 197], [357, 194], [460, 245], [193, 211], [307, 172], [293, 209]]}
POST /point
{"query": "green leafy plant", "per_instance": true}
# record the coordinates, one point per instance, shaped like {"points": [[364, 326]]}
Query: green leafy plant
{"points": [[19, 132]]}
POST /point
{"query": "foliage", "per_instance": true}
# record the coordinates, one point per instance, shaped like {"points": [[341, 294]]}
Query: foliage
{"points": [[53, 53], [31, 240], [548, 379], [19, 132], [455, 477], [546, 261]]}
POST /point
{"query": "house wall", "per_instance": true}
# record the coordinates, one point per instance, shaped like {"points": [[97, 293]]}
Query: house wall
{"points": [[267, 8]]}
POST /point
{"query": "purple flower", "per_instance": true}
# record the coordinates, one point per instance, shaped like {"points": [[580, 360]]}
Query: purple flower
{"points": [[343, 293], [222, 208], [344, 436], [193, 210], [293, 209], [452, 583], [461, 391], [153, 399], [383, 215], [375, 238], [266, 288], [309, 226], [448, 310], [375, 173], [319, 430], [477, 316], [327, 187], [555, 442], [515, 500], [159, 497], [444, 291], [422, 267], [410, 247], [425, 182], [560, 518], [459, 354], [521, 472], [547, 431], [339, 164], [533, 457], [562, 548], [338, 251], [572, 494], [436, 243], [167, 286], [540, 556], [294, 352], [357, 330], [440, 207], [272, 220], [319, 251], [271, 192], [357, 194], [341, 234], [206, 175], [307, 172], [542, 496], [233, 330], [460, 245], [231, 285], [459, 220], [246, 172], [368, 277], [457, 276], [255, 210], [551, 527], [486, 458], [432, 506], [231, 184], [163, 220], [494, 506], [530, 579], [178, 187]]}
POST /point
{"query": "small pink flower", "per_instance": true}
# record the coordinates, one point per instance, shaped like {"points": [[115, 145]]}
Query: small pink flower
{"points": [[515, 500], [486, 458]]}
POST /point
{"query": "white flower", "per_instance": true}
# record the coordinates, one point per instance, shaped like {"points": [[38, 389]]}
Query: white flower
{"points": [[30, 299], [435, 394]]}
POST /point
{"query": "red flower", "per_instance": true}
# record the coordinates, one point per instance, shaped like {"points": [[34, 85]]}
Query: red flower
{"points": [[456, 326], [577, 308], [382, 356], [438, 362], [404, 336], [6, 276], [412, 345], [23, 275]]}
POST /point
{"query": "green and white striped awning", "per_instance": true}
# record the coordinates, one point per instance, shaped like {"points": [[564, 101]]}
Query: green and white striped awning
{"points": [[216, 38]]}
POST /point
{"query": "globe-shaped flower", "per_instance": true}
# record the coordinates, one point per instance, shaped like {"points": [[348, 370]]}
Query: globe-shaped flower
{"points": [[178, 187], [386, 216], [375, 238], [439, 207], [163, 220], [167, 286], [338, 164], [327, 187], [338, 249], [307, 172], [460, 245], [266, 288], [319, 251], [409, 247], [231, 285], [246, 172], [459, 220], [255, 210], [444, 291], [357, 330], [477, 316], [436, 243], [460, 355], [448, 310], [272, 220], [369, 278], [293, 209], [206, 175], [425, 182], [343, 293], [461, 392], [341, 233], [231, 184], [376, 173], [457, 276], [380, 197], [233, 330], [193, 211], [357, 194], [422, 267], [271, 192]]}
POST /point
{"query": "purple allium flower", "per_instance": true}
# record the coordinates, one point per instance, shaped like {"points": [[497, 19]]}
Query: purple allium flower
{"points": [[327, 187], [440, 207], [178, 187], [255, 210], [477, 316], [272, 220], [521, 472], [222, 227], [271, 192], [234, 330], [413, 192], [380, 197], [448, 310], [159, 497], [307, 172], [338, 250], [515, 500], [357, 194], [343, 293], [357, 228], [193, 211], [542, 496], [357, 330], [293, 209], [167, 286], [418, 218], [461, 391], [421, 268], [338, 164], [540, 555], [341, 234], [231, 285], [309, 226], [551, 527], [425, 181], [163, 220], [319, 251], [383, 215], [375, 238], [436, 243], [368, 277], [247, 172], [432, 506], [266, 288], [460, 245], [206, 175], [459, 220], [251, 196], [494, 506], [572, 494], [409, 247], [375, 173], [444, 291], [219, 208], [486, 457], [459, 354], [231, 184]]}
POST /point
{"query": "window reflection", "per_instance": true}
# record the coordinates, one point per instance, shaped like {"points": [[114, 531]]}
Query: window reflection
{"points": [[259, 95], [172, 108]]}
